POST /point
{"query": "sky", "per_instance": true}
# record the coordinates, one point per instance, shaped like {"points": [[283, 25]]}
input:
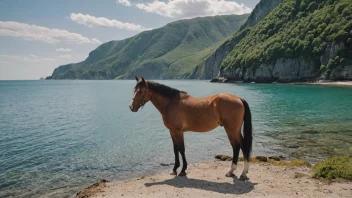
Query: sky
{"points": [[36, 36]]}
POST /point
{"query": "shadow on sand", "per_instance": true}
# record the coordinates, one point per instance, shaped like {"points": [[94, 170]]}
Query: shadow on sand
{"points": [[238, 186]]}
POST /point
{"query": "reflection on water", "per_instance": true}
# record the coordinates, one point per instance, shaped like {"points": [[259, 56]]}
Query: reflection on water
{"points": [[58, 136]]}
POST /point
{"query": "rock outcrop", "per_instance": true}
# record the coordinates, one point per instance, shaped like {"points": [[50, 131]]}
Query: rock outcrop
{"points": [[284, 70], [331, 51], [292, 69], [213, 62]]}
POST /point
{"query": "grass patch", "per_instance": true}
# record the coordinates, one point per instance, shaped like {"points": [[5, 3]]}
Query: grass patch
{"points": [[292, 163], [334, 167]]}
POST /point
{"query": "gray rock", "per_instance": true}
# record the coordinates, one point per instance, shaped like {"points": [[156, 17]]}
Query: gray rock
{"points": [[331, 51], [294, 69], [264, 73], [344, 73]]}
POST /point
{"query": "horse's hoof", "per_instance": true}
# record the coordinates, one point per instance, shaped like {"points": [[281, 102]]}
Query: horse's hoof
{"points": [[173, 172], [230, 175], [182, 174], [244, 177]]}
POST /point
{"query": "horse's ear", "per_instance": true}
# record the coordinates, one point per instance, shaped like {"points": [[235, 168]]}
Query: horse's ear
{"points": [[137, 79], [143, 81]]}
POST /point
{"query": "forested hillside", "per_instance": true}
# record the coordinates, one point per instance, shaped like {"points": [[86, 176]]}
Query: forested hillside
{"points": [[297, 41]]}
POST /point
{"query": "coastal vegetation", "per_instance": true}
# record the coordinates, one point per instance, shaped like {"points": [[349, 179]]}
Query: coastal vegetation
{"points": [[334, 167], [297, 29]]}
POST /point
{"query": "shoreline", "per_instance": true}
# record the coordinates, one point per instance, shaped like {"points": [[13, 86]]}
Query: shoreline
{"points": [[319, 82], [327, 83], [207, 179]]}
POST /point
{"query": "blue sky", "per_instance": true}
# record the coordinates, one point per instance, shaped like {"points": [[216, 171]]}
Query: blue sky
{"points": [[37, 36]]}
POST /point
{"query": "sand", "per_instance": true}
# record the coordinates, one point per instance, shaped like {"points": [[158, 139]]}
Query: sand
{"points": [[208, 180], [328, 83]]}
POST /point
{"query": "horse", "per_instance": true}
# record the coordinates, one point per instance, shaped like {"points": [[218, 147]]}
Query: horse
{"points": [[183, 113]]}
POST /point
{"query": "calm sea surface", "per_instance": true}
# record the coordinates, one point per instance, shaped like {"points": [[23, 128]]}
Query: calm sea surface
{"points": [[59, 136]]}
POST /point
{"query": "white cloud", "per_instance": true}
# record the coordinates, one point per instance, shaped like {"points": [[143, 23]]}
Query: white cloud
{"points": [[24, 59], [66, 56], [63, 50], [94, 40], [124, 2], [193, 8], [33, 56], [92, 21], [44, 34]]}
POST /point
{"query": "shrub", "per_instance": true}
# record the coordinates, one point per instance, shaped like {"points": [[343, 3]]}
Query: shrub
{"points": [[333, 168]]}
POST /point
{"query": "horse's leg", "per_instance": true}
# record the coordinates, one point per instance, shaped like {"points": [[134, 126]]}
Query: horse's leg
{"points": [[246, 164], [235, 143], [177, 159], [236, 152], [182, 151], [178, 135]]}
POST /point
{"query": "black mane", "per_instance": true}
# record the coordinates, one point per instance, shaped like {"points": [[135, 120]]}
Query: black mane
{"points": [[161, 89]]}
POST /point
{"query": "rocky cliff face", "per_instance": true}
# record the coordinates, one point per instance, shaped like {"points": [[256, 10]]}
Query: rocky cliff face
{"points": [[331, 51], [212, 63], [339, 73], [284, 70], [293, 69]]}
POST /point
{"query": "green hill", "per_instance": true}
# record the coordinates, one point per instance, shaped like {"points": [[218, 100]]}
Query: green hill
{"points": [[169, 52], [300, 40]]}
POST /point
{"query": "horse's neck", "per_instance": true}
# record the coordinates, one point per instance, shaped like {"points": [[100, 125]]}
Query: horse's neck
{"points": [[160, 102]]}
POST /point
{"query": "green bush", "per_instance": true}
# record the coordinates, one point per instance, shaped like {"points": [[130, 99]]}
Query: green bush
{"points": [[333, 168]]}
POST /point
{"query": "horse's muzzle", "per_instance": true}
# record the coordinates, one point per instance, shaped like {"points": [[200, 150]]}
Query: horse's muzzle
{"points": [[132, 109]]}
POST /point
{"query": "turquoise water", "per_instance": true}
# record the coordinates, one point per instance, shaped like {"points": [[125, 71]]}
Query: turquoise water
{"points": [[59, 136]]}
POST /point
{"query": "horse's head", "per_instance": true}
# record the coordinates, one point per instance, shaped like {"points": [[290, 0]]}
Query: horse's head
{"points": [[140, 94]]}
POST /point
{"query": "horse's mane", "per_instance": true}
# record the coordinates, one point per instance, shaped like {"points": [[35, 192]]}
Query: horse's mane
{"points": [[161, 89]]}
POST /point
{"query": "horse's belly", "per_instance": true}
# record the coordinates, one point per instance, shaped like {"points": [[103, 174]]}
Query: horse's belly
{"points": [[202, 118], [200, 126]]}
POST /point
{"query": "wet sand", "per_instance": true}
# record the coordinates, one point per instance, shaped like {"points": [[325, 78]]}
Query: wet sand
{"points": [[208, 180]]}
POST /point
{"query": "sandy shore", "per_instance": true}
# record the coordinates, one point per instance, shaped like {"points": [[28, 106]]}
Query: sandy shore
{"points": [[208, 180], [338, 83]]}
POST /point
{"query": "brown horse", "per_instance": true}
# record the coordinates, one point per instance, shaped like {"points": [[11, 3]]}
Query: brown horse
{"points": [[182, 112]]}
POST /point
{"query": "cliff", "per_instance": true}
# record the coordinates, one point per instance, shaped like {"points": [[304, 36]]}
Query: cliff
{"points": [[298, 41]]}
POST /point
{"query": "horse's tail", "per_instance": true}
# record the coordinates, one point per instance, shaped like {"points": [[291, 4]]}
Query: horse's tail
{"points": [[247, 131]]}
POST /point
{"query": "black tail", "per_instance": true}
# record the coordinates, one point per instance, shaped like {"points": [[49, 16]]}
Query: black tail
{"points": [[247, 131]]}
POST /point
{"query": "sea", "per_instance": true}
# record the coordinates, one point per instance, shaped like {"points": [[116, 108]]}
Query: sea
{"points": [[56, 137]]}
